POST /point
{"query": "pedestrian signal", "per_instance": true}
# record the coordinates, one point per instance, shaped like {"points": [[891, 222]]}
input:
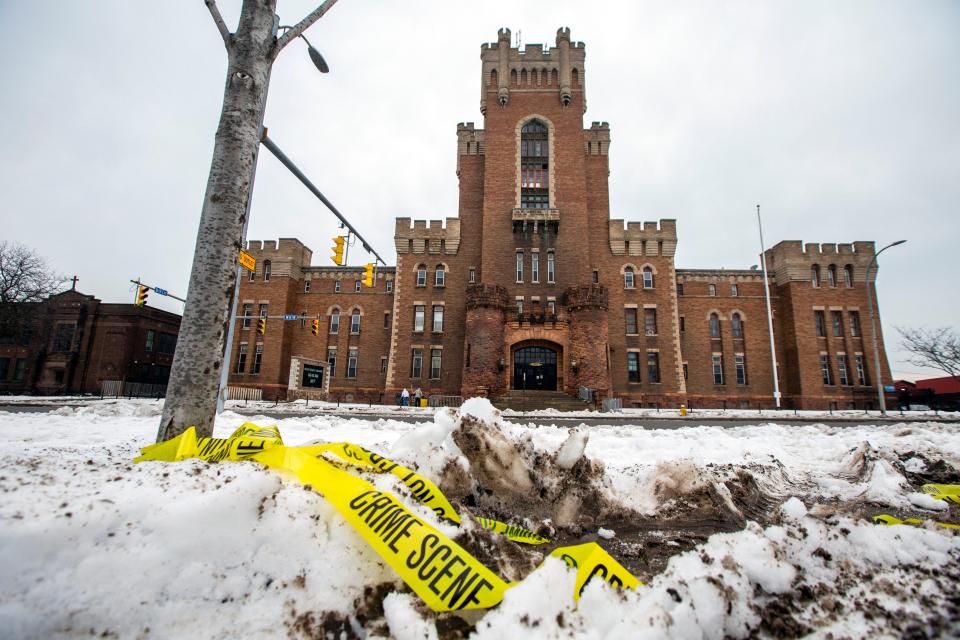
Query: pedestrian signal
{"points": [[368, 275], [316, 327], [262, 326], [142, 292], [338, 248]]}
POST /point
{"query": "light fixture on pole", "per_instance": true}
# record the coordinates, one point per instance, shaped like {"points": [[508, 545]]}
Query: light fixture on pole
{"points": [[318, 60], [873, 329], [766, 292]]}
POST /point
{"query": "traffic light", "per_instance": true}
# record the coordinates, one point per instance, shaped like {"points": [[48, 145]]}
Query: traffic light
{"points": [[316, 327], [368, 275], [142, 292], [262, 326], [337, 248]]}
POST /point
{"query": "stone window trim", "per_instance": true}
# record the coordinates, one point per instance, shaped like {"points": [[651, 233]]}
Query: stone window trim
{"points": [[649, 306], [819, 308], [333, 308], [632, 305], [720, 315], [743, 316], [551, 177]]}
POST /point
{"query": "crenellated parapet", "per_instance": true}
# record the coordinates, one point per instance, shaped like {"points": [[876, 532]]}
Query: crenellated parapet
{"points": [[535, 67], [491, 296], [793, 261], [588, 296], [596, 139], [288, 256], [470, 141], [427, 236], [643, 238]]}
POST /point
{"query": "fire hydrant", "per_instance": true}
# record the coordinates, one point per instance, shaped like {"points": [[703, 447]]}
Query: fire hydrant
{"points": [[683, 410]]}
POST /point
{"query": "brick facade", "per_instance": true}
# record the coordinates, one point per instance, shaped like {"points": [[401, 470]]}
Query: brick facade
{"points": [[600, 296]]}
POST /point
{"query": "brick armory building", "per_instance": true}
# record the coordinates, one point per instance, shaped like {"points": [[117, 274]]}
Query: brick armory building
{"points": [[533, 286]]}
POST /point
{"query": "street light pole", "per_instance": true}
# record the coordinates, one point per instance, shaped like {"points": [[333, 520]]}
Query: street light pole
{"points": [[766, 292], [873, 329]]}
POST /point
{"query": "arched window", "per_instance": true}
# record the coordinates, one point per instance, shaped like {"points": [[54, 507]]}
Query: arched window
{"points": [[266, 271], [832, 275], [628, 278], [355, 321], [422, 275], [335, 321], [848, 276], [534, 168], [736, 325], [714, 325], [647, 278], [815, 275], [440, 276]]}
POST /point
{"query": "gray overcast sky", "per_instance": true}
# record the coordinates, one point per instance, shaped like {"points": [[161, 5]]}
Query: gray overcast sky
{"points": [[841, 119]]}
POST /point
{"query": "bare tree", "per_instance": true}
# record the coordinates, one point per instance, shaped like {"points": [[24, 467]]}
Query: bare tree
{"points": [[934, 348], [195, 374], [25, 275]]}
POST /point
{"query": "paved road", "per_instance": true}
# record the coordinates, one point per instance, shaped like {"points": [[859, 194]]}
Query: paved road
{"points": [[606, 419]]}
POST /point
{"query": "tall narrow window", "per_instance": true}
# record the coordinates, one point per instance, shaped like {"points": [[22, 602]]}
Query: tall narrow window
{"points": [[335, 321], [386, 319], [535, 268], [336, 286], [355, 321], [854, 323], [440, 277], [628, 278], [19, 369], [740, 361], [630, 320], [266, 271], [653, 366], [551, 275], [647, 278], [736, 325], [820, 324], [861, 370], [815, 275], [519, 266], [263, 310], [418, 311], [435, 355], [472, 277], [825, 371], [552, 307], [734, 291], [848, 276], [679, 288], [832, 275], [151, 335], [842, 370], [650, 322], [534, 168], [356, 285], [242, 359], [389, 286], [422, 275], [306, 286], [352, 363], [247, 313], [257, 359], [717, 369], [712, 290], [331, 363], [836, 319], [633, 366], [714, 325], [438, 318], [416, 363]]}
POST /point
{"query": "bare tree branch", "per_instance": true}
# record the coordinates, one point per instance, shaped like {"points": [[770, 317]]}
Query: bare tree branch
{"points": [[218, 19], [934, 348], [304, 24], [25, 275]]}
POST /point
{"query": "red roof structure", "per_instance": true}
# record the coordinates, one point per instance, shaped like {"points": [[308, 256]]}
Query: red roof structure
{"points": [[940, 386]]}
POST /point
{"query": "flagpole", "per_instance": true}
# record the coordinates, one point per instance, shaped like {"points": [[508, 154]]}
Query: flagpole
{"points": [[766, 291]]}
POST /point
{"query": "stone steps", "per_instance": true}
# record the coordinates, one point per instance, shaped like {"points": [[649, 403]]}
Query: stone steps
{"points": [[539, 400]]}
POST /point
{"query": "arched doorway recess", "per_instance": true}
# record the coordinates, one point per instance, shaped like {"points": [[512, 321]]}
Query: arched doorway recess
{"points": [[535, 368]]}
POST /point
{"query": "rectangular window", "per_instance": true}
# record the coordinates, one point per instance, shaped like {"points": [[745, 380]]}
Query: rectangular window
{"points": [[734, 291], [416, 363], [389, 286], [4, 368], [20, 370], [519, 266], [166, 343], [520, 306], [332, 362], [257, 359], [242, 359], [357, 285], [383, 365], [247, 312], [653, 366], [64, 338], [552, 307], [633, 366], [472, 277], [303, 319], [686, 372], [336, 286], [335, 322], [630, 320], [437, 318], [647, 278], [818, 319], [418, 311], [718, 369], [842, 370], [386, 320], [352, 363], [421, 276], [440, 277], [151, 335], [683, 324], [535, 268], [596, 277], [825, 371], [711, 290], [679, 288], [837, 319], [551, 275], [740, 361], [306, 286], [435, 355], [861, 370], [263, 310], [854, 323], [355, 322], [650, 322]]}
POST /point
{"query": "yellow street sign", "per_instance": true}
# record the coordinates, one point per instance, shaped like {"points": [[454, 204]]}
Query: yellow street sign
{"points": [[247, 261]]}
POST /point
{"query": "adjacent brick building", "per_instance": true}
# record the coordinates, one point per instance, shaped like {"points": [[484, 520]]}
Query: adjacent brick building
{"points": [[532, 285]]}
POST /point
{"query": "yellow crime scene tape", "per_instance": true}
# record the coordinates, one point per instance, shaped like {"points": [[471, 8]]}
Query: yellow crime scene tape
{"points": [[885, 519], [442, 573], [947, 492]]}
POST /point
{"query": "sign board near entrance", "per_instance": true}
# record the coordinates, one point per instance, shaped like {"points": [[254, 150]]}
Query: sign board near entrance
{"points": [[313, 376]]}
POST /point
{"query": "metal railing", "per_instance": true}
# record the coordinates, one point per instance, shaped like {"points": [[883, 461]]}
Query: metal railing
{"points": [[612, 404], [244, 393], [445, 401], [544, 316], [123, 389], [586, 394]]}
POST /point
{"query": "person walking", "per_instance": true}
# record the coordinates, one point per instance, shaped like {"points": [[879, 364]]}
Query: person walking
{"points": [[417, 395], [405, 397]]}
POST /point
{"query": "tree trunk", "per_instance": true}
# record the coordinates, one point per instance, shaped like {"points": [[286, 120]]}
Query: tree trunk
{"points": [[195, 376]]}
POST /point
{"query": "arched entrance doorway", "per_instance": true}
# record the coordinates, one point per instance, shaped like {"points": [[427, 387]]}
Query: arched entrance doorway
{"points": [[535, 369]]}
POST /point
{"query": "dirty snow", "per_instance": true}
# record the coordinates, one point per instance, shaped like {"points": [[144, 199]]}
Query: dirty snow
{"points": [[92, 544]]}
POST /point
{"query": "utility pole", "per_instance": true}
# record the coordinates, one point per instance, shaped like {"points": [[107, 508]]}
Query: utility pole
{"points": [[199, 358], [766, 293], [881, 398]]}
